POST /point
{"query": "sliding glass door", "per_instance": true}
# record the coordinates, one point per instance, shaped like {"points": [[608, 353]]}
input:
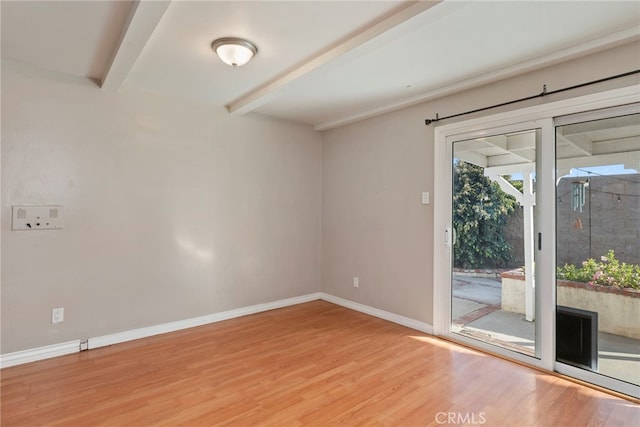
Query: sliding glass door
{"points": [[493, 296], [537, 237], [598, 246]]}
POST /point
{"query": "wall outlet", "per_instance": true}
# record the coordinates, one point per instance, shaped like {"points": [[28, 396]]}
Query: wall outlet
{"points": [[37, 217], [57, 315], [356, 282]]}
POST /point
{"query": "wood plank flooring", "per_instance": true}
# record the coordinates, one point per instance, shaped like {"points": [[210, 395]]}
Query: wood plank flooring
{"points": [[314, 364]]}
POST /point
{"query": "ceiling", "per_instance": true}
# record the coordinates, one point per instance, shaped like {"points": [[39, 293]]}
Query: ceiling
{"points": [[323, 62]]}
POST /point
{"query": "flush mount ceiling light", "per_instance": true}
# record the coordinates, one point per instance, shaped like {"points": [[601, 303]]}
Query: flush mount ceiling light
{"points": [[234, 51]]}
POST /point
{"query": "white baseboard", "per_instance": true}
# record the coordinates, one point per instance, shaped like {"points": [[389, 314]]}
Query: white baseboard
{"points": [[49, 351], [163, 328], [46, 352], [376, 312], [39, 353]]}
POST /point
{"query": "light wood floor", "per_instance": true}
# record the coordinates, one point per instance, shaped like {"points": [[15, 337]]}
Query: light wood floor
{"points": [[315, 364]]}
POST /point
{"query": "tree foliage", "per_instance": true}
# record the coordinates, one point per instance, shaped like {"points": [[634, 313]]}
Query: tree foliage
{"points": [[480, 212]]}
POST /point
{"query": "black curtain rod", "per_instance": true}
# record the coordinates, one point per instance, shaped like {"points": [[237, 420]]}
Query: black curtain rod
{"points": [[540, 95]]}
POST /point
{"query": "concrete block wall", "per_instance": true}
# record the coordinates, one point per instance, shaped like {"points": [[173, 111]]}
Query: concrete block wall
{"points": [[610, 219]]}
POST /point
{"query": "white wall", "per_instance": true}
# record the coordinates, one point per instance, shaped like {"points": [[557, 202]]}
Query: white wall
{"points": [[172, 209], [374, 226]]}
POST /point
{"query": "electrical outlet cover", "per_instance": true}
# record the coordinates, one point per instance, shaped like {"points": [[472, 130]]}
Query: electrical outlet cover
{"points": [[37, 217], [57, 315]]}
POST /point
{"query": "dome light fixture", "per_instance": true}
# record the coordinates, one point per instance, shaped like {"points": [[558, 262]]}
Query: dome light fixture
{"points": [[234, 51]]}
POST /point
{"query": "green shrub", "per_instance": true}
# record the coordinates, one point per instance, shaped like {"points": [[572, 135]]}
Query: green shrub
{"points": [[480, 212], [607, 272]]}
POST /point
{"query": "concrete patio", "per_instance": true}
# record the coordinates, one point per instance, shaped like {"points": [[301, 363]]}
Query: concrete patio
{"points": [[476, 310]]}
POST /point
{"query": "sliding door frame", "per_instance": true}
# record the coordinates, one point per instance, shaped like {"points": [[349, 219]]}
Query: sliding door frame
{"points": [[563, 368], [544, 288], [540, 116]]}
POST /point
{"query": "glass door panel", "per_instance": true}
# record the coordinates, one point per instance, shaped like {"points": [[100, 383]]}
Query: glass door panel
{"points": [[493, 271], [598, 246]]}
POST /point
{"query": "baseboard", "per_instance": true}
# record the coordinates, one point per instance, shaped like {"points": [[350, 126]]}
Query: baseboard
{"points": [[39, 353], [376, 312], [163, 328], [46, 352]]}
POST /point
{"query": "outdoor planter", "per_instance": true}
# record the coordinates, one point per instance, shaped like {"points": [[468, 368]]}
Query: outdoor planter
{"points": [[618, 309]]}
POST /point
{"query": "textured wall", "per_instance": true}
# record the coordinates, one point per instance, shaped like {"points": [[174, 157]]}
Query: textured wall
{"points": [[513, 232], [607, 223]]}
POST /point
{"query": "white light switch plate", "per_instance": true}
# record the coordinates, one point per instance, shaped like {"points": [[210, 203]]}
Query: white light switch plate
{"points": [[37, 217], [425, 198]]}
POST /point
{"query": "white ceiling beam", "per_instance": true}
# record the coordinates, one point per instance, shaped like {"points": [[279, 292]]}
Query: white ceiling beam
{"points": [[499, 141], [527, 155], [617, 145], [523, 168], [273, 89], [143, 19], [507, 159], [469, 145], [472, 157], [521, 141], [626, 124], [630, 159], [583, 145]]}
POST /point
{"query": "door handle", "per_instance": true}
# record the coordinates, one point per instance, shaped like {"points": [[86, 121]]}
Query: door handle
{"points": [[539, 241], [450, 236]]}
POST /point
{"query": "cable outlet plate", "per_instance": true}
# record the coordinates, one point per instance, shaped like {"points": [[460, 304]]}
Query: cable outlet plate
{"points": [[57, 315], [37, 217]]}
